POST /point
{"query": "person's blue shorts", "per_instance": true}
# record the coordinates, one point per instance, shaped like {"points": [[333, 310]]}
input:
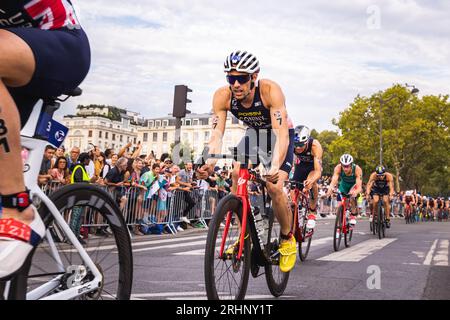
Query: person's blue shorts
{"points": [[62, 57]]}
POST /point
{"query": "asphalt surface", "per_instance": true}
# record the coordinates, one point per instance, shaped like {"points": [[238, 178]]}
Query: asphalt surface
{"points": [[410, 263]]}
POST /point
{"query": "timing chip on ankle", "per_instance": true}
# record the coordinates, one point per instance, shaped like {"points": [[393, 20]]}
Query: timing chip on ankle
{"points": [[19, 201]]}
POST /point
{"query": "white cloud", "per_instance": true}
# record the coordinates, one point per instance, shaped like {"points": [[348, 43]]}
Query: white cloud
{"points": [[321, 52]]}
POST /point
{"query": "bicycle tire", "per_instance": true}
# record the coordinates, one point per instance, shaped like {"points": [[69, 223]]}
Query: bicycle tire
{"points": [[348, 235], [78, 195], [303, 246], [275, 279], [338, 226], [380, 220], [233, 204]]}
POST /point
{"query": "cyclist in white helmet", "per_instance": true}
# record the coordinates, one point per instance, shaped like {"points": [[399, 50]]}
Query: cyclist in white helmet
{"points": [[260, 104], [308, 166], [350, 184]]}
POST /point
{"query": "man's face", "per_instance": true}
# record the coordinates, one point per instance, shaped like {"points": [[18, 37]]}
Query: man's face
{"points": [[59, 152], [122, 166], [189, 166], [300, 149], [49, 154], [240, 83], [156, 170], [74, 153], [139, 165], [347, 169]]}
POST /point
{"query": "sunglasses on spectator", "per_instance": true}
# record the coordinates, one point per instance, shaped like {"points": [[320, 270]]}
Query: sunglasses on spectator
{"points": [[240, 78]]}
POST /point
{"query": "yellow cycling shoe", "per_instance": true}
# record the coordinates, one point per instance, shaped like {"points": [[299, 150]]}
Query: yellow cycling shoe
{"points": [[288, 254], [231, 248]]}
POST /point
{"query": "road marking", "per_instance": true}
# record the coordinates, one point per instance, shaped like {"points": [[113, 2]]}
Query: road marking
{"points": [[358, 252], [201, 252], [176, 245], [430, 253], [136, 244], [441, 257], [192, 295]]}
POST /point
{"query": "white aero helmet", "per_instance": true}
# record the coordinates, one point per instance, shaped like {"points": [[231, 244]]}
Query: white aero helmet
{"points": [[346, 159], [241, 61], [301, 134]]}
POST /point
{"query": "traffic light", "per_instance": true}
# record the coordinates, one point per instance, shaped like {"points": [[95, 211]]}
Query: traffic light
{"points": [[180, 100]]}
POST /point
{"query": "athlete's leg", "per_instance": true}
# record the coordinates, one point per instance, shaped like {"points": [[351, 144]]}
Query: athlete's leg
{"points": [[280, 202], [17, 65], [376, 199]]}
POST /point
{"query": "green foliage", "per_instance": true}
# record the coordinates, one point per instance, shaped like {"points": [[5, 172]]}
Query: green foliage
{"points": [[415, 132]]}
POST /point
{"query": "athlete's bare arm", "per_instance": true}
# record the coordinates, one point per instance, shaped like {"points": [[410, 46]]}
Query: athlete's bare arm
{"points": [[218, 122], [390, 180], [334, 180], [370, 183], [358, 173], [274, 97], [317, 152]]}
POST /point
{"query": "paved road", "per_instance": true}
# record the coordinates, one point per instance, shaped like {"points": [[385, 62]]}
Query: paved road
{"points": [[413, 262]]}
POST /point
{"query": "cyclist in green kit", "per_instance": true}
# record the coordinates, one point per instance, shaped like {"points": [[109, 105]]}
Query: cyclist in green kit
{"points": [[349, 176]]}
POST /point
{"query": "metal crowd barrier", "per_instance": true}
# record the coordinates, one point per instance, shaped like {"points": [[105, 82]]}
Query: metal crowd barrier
{"points": [[137, 210]]}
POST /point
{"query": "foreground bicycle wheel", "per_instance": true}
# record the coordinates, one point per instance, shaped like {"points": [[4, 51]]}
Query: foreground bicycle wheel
{"points": [[337, 235], [79, 203], [276, 279], [348, 235], [226, 277]]}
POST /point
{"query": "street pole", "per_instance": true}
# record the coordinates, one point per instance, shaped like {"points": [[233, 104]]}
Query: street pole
{"points": [[381, 133]]}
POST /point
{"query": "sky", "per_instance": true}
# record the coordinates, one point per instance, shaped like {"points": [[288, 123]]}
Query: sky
{"points": [[322, 53]]}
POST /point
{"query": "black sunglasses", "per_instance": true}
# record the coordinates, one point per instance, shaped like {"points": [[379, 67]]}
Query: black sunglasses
{"points": [[300, 144], [240, 78]]}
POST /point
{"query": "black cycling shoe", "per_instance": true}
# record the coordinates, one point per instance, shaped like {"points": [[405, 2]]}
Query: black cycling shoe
{"points": [[388, 224]]}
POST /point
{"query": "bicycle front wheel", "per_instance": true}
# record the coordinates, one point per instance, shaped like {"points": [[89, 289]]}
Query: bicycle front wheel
{"points": [[276, 280], [337, 235], [56, 259], [380, 219], [226, 276]]}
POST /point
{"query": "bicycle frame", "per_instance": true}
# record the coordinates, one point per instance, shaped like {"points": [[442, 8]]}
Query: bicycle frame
{"points": [[36, 148], [344, 203], [242, 194]]}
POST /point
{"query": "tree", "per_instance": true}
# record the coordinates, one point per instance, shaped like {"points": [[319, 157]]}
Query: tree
{"points": [[181, 153], [416, 140]]}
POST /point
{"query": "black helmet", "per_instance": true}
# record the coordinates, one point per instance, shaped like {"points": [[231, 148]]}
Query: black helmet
{"points": [[83, 156], [380, 170]]}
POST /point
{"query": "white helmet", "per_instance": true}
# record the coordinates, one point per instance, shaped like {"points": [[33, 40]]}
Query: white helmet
{"points": [[241, 61], [346, 159], [301, 134]]}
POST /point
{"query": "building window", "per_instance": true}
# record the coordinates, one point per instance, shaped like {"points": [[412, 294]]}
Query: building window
{"points": [[158, 123], [165, 123], [150, 123], [121, 138], [106, 135], [100, 134], [188, 122], [155, 136], [114, 136], [134, 141], [206, 135], [164, 136], [90, 134], [195, 122], [145, 138]]}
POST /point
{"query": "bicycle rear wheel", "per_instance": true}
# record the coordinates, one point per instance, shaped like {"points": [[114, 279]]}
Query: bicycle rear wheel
{"points": [[275, 279], [337, 235], [112, 255], [226, 277]]}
